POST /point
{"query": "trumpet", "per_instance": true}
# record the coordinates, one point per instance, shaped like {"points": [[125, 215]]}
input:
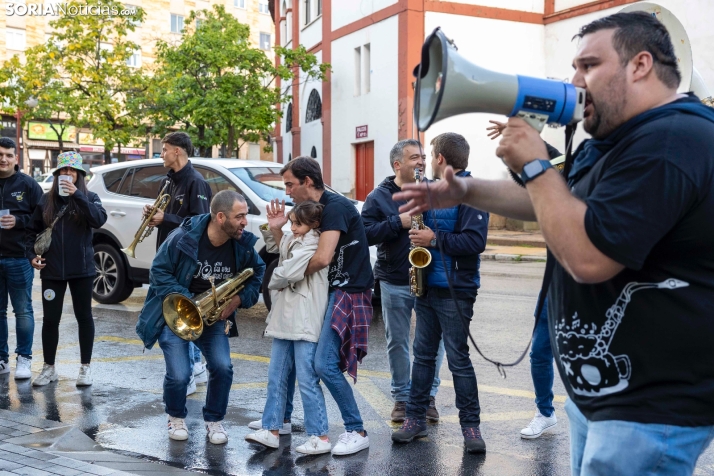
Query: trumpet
{"points": [[419, 257], [187, 317], [145, 230]]}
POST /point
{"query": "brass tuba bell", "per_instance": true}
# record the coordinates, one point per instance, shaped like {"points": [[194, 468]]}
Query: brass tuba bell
{"points": [[187, 317]]}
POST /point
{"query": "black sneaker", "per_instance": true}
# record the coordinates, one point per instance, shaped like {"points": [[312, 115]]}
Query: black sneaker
{"points": [[472, 440], [399, 412], [411, 428], [431, 413]]}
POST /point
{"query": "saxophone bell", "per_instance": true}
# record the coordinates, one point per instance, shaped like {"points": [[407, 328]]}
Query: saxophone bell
{"points": [[419, 257]]}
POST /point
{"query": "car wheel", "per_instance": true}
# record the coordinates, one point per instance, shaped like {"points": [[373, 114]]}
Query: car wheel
{"points": [[111, 285], [266, 279]]}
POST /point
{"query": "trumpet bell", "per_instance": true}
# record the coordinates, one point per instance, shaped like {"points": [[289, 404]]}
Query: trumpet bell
{"points": [[183, 317], [419, 257], [130, 251]]}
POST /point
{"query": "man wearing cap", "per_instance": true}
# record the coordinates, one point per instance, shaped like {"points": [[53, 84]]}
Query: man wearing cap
{"points": [[19, 195]]}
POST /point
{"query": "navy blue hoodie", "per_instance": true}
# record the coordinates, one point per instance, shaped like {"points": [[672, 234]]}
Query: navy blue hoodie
{"points": [[20, 194]]}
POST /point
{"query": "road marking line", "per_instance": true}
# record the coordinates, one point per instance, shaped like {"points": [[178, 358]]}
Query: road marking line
{"points": [[498, 416], [121, 340], [374, 397], [202, 389]]}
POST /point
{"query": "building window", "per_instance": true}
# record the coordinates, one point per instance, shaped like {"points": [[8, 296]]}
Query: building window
{"points": [[313, 152], [134, 60], [239, 3], [15, 39], [366, 67], [265, 41], [362, 69], [290, 157], [289, 118], [314, 107], [308, 11], [358, 71], [263, 6], [136, 9], [319, 8], [176, 23]]}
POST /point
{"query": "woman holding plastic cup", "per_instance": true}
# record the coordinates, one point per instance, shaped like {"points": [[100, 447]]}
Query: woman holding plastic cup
{"points": [[68, 261]]}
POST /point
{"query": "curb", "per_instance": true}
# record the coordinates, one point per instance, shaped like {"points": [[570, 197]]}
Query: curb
{"points": [[512, 257]]}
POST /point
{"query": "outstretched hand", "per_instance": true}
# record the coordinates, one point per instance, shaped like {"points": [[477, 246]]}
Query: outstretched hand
{"points": [[445, 193], [275, 211], [496, 129]]}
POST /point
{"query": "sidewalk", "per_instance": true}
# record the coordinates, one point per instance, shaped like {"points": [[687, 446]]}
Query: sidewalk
{"points": [[505, 245], [34, 446]]}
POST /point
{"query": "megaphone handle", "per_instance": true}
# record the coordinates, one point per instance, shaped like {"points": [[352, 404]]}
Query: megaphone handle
{"points": [[536, 121]]}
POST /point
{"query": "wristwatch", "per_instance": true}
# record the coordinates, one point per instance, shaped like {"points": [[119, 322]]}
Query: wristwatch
{"points": [[432, 243], [534, 168]]}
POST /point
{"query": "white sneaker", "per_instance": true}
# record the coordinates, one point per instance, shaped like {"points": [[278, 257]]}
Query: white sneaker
{"points": [[22, 368], [85, 376], [216, 433], [263, 437], [191, 386], [48, 374], [350, 442], [4, 367], [200, 374], [285, 430], [538, 425], [314, 446], [177, 429]]}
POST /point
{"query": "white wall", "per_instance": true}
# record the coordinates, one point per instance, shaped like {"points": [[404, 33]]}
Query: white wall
{"points": [[345, 12], [312, 34], [504, 46], [376, 109], [695, 16], [534, 6], [565, 4]]}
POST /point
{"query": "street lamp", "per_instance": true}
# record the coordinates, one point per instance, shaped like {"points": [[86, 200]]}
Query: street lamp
{"points": [[30, 103]]}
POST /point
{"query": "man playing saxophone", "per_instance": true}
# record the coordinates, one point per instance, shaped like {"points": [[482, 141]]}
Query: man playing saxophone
{"points": [[460, 233], [389, 231], [189, 195], [205, 248]]}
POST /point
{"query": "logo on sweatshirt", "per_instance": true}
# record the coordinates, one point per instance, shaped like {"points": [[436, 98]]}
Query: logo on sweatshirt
{"points": [[202, 197], [19, 196]]}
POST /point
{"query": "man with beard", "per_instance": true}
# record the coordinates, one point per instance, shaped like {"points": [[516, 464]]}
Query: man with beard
{"points": [[219, 239], [631, 293], [389, 230]]}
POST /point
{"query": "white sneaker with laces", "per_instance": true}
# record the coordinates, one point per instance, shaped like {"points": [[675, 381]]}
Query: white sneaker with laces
{"points": [[216, 433], [4, 367], [191, 386], [350, 442], [285, 430], [200, 374], [177, 429], [263, 437], [85, 376], [314, 446], [22, 368], [538, 425], [48, 374]]}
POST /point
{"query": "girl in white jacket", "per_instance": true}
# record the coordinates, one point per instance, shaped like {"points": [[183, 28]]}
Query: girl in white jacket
{"points": [[295, 322]]}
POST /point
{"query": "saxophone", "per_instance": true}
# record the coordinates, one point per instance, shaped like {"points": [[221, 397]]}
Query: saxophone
{"points": [[419, 257]]}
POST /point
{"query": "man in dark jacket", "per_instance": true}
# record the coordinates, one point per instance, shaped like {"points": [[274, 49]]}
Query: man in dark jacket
{"points": [[388, 229], [19, 195], [190, 196], [220, 241], [460, 232]]}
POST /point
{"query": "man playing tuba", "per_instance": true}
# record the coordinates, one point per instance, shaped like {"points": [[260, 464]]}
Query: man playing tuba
{"points": [[204, 249]]}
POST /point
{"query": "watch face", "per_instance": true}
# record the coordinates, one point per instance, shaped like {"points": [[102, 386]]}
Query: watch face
{"points": [[532, 168]]}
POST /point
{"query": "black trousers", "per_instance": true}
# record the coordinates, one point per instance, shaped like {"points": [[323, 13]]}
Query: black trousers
{"points": [[52, 302]]}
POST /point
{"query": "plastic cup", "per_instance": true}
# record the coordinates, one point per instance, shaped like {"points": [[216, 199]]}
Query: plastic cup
{"points": [[62, 191], [3, 213]]}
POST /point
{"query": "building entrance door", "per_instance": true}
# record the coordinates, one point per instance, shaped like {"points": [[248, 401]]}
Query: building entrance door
{"points": [[364, 169]]}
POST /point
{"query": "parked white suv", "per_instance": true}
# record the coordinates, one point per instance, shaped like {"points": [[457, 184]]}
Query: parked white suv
{"points": [[126, 187]]}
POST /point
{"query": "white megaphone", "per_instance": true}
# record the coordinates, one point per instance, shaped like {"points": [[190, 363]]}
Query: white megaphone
{"points": [[449, 85]]}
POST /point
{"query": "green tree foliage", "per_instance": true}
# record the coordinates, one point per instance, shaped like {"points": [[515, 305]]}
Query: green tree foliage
{"points": [[217, 86]]}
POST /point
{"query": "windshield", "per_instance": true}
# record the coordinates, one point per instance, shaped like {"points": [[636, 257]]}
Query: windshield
{"points": [[266, 182]]}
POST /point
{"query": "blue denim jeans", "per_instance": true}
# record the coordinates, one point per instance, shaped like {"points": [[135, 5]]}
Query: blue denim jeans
{"points": [[437, 317], [542, 364], [625, 447], [194, 353], [327, 365], [16, 276], [397, 305], [214, 345], [285, 356]]}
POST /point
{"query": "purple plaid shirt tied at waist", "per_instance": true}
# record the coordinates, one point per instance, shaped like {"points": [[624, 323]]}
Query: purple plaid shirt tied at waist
{"points": [[351, 317]]}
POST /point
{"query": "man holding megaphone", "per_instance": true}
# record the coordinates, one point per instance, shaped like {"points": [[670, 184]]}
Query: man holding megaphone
{"points": [[631, 295]]}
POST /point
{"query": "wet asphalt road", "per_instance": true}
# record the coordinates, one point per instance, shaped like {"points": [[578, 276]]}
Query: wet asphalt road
{"points": [[123, 410]]}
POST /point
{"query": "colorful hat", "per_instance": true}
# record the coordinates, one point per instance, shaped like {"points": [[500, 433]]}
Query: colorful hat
{"points": [[70, 159]]}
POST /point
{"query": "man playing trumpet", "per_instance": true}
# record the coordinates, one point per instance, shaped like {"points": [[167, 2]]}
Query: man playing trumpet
{"points": [[220, 240]]}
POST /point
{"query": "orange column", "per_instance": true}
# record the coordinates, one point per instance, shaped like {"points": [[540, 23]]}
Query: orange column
{"points": [[327, 93], [411, 37]]}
